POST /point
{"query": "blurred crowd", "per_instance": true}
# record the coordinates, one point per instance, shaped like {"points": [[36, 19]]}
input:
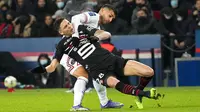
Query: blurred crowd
{"points": [[34, 18], [175, 19]]}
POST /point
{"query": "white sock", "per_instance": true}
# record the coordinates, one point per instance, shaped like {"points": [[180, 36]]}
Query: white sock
{"points": [[101, 91], [79, 90]]}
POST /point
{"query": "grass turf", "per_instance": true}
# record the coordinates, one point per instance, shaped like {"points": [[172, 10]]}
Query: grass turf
{"points": [[184, 99]]}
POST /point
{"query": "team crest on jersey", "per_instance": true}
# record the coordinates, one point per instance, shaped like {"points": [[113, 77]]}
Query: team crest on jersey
{"points": [[92, 13]]}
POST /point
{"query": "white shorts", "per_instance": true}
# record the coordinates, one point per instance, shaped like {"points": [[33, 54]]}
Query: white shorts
{"points": [[69, 63]]}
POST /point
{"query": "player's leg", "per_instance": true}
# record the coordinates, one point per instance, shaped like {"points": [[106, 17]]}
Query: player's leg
{"points": [[79, 88], [77, 70], [113, 82], [80, 84], [145, 72], [102, 94]]}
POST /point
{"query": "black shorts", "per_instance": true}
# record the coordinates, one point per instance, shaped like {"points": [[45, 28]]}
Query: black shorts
{"points": [[111, 66]]}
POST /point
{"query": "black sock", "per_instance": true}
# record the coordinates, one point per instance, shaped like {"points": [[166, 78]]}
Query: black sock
{"points": [[143, 82], [131, 90]]}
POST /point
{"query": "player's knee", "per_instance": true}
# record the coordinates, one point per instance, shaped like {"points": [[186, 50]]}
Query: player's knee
{"points": [[82, 78], [112, 81], [148, 72], [80, 72]]}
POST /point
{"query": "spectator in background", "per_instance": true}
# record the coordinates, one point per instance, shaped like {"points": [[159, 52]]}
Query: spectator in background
{"points": [[42, 8], [196, 14], [166, 28], [144, 23], [89, 6], [3, 11], [73, 7], [46, 80], [117, 27], [175, 4], [22, 7], [6, 27], [9, 2], [47, 29], [59, 14], [117, 4], [184, 30], [165, 24], [2, 2], [127, 11], [60, 4], [178, 4], [141, 4], [24, 25]]}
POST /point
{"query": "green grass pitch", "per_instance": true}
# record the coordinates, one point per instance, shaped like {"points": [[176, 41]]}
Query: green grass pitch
{"points": [[184, 99]]}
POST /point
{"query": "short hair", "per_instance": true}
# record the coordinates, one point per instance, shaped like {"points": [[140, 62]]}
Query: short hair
{"points": [[111, 7], [167, 10], [57, 23], [145, 11]]}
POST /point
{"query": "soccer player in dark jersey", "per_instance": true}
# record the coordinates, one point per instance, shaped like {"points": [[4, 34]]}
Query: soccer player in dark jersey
{"points": [[106, 14], [100, 63]]}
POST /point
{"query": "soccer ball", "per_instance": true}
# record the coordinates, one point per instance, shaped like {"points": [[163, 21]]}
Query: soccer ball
{"points": [[10, 82]]}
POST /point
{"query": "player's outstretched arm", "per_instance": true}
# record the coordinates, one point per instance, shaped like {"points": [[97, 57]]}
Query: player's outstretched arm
{"points": [[50, 68], [102, 35]]}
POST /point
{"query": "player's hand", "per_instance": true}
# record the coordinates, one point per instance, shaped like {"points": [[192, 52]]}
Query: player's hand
{"points": [[93, 39], [171, 34], [39, 69], [195, 13], [75, 41]]}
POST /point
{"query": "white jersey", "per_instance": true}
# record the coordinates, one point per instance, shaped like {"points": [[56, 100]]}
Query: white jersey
{"points": [[87, 18]]}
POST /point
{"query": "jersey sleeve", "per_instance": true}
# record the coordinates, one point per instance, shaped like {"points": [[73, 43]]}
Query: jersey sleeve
{"points": [[58, 53], [88, 30], [83, 18]]}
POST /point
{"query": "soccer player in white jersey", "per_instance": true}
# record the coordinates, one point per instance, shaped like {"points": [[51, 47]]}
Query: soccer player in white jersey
{"points": [[106, 14]]}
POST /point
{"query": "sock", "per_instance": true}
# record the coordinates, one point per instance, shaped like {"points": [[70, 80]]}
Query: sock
{"points": [[131, 90], [102, 93], [79, 90], [143, 82]]}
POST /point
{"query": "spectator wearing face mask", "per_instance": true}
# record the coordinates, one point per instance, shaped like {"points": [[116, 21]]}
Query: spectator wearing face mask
{"points": [[144, 24], [165, 27], [45, 80], [184, 29], [141, 4], [165, 24], [178, 4], [60, 4]]}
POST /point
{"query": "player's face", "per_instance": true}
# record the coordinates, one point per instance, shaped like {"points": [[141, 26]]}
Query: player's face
{"points": [[198, 5], [66, 28], [107, 16]]}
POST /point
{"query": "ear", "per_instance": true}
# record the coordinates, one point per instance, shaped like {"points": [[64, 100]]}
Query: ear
{"points": [[101, 10], [60, 32]]}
